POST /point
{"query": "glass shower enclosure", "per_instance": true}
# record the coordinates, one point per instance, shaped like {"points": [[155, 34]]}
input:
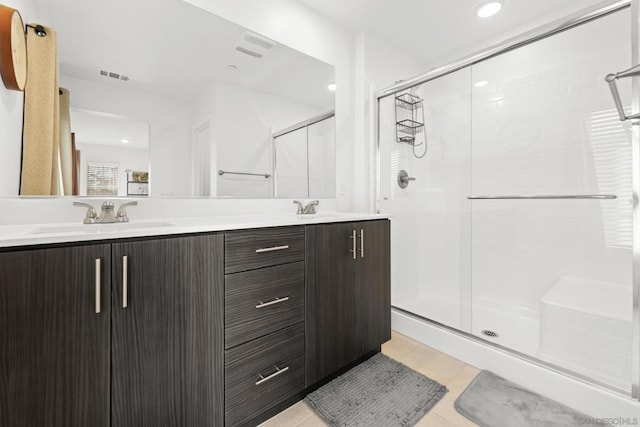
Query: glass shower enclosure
{"points": [[517, 225]]}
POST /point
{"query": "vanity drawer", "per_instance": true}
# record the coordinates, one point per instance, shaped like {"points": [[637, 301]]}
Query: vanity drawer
{"points": [[262, 373], [262, 301], [251, 249]]}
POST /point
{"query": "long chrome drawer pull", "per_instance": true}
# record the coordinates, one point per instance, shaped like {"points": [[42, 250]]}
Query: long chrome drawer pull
{"points": [[573, 196], [275, 374], [361, 243], [275, 248], [98, 287], [354, 251], [275, 301], [125, 283]]}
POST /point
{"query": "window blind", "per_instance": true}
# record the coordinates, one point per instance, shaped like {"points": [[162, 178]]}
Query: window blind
{"points": [[102, 179]]}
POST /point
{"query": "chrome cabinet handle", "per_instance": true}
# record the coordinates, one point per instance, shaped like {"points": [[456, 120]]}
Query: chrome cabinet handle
{"points": [[125, 284], [361, 243], [275, 374], [98, 284], [275, 301], [275, 248], [354, 251]]}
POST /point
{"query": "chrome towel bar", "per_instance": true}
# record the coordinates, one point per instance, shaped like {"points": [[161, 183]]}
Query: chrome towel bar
{"points": [[265, 175], [573, 196]]}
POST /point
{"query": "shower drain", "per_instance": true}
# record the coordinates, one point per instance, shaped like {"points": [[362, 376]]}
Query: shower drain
{"points": [[488, 333]]}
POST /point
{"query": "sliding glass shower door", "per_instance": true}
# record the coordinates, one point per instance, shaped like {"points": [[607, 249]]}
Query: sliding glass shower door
{"points": [[431, 243], [516, 224], [552, 274]]}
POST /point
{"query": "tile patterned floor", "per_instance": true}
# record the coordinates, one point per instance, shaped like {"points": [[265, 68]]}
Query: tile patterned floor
{"points": [[456, 375]]}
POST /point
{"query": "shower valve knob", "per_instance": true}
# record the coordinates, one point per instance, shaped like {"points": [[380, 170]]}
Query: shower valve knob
{"points": [[404, 179]]}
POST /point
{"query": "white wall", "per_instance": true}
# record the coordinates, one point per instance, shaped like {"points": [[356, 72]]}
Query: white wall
{"points": [[135, 159], [169, 128], [11, 104]]}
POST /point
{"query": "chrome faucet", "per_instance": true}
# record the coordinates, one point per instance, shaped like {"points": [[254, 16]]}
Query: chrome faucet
{"points": [[122, 212], [106, 214], [90, 217], [310, 209]]}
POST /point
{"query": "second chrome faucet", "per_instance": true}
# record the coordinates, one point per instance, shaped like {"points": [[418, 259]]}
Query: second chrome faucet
{"points": [[310, 209], [106, 214]]}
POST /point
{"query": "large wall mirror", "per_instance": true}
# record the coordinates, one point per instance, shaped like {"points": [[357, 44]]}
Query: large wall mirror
{"points": [[168, 100]]}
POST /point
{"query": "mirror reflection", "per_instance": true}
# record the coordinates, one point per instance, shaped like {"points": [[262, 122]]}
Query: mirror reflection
{"points": [[113, 153], [163, 108]]}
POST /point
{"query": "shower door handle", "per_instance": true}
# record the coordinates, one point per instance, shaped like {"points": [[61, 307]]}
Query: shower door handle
{"points": [[548, 197], [613, 87]]}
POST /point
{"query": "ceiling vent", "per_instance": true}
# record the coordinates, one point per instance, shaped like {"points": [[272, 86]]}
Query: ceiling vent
{"points": [[249, 52], [254, 45], [260, 41], [112, 75]]}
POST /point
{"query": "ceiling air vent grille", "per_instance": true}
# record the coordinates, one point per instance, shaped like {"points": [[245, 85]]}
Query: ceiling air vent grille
{"points": [[249, 52], [259, 41], [254, 45], [112, 75]]}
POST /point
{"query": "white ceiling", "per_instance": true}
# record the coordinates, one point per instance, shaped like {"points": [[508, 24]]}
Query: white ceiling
{"points": [[173, 48], [107, 129], [433, 31]]}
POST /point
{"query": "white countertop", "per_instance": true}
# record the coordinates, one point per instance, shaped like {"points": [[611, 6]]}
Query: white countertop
{"points": [[41, 234]]}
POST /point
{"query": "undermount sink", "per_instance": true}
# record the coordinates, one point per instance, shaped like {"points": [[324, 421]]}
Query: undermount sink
{"points": [[97, 228]]}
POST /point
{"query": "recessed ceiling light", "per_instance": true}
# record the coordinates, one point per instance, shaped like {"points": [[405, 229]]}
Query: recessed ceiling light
{"points": [[332, 87], [232, 67], [481, 83], [124, 141], [487, 9]]}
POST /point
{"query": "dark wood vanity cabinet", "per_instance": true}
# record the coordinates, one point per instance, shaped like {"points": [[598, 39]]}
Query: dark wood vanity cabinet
{"points": [[264, 321], [167, 332], [147, 352], [55, 336], [202, 330], [348, 294]]}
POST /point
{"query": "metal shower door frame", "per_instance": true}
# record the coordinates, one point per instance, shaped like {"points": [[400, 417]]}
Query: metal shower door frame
{"points": [[571, 21]]}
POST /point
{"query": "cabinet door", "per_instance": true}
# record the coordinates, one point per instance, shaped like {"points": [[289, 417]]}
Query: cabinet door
{"points": [[54, 345], [373, 285], [167, 343], [331, 341]]}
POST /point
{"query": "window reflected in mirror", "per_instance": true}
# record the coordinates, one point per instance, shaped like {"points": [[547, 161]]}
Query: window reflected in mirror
{"points": [[112, 150]]}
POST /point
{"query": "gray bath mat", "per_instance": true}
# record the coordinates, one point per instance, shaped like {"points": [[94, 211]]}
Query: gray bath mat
{"points": [[492, 401], [379, 392]]}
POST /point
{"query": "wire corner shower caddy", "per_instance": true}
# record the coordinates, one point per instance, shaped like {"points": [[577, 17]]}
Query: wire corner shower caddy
{"points": [[411, 105]]}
